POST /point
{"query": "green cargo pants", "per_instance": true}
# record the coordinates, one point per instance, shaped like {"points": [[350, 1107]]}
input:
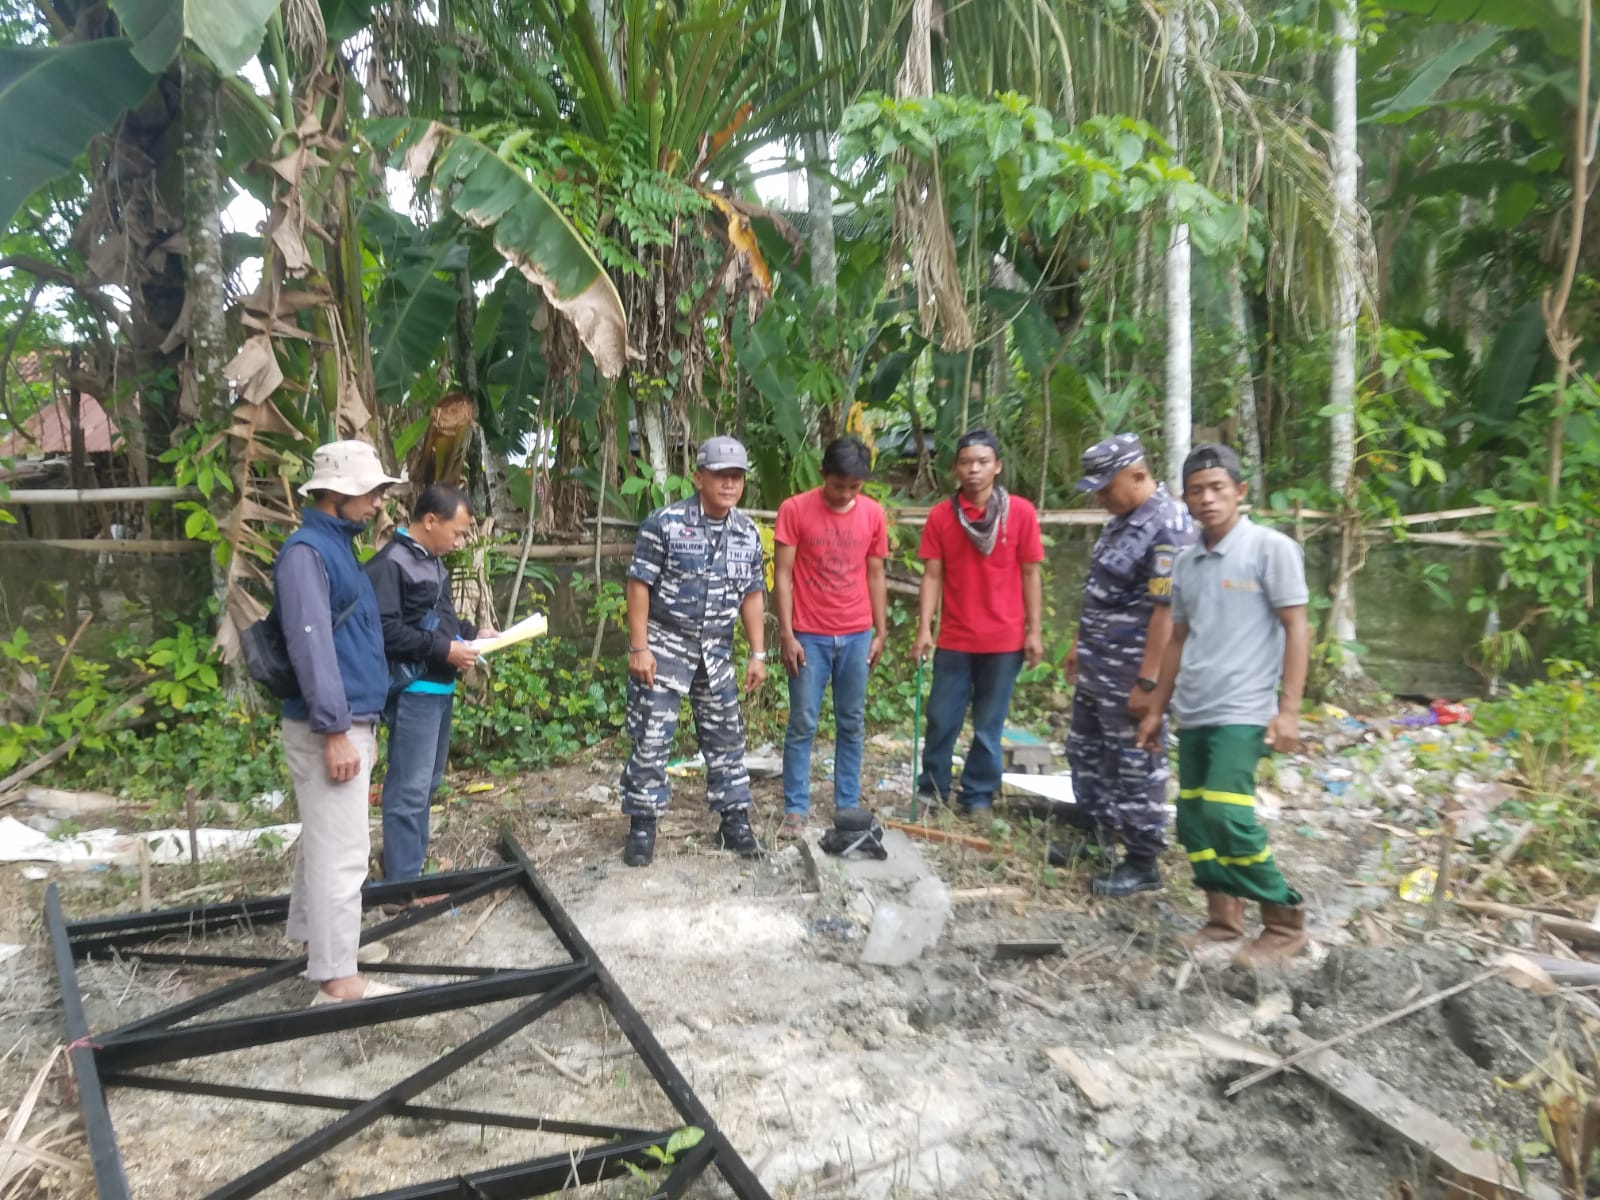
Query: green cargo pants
{"points": [[1217, 823]]}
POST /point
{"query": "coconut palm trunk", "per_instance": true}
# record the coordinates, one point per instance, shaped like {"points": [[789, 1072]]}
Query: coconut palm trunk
{"points": [[1177, 411], [1342, 374]]}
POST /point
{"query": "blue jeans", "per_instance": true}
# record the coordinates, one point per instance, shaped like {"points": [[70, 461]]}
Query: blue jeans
{"points": [[843, 661], [986, 681], [419, 744]]}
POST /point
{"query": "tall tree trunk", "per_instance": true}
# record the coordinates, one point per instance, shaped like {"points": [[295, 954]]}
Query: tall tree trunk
{"points": [[202, 227], [1558, 330], [1244, 366], [206, 301], [1342, 373], [1177, 411], [819, 210]]}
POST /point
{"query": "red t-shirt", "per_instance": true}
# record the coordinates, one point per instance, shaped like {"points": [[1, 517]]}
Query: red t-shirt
{"points": [[982, 600], [830, 561]]}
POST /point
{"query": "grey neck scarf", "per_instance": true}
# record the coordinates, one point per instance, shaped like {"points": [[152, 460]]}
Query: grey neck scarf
{"points": [[985, 531]]}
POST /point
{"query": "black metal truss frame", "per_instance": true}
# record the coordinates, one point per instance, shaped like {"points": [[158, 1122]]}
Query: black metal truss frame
{"points": [[112, 1058]]}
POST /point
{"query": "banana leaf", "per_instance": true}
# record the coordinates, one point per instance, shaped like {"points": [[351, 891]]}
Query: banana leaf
{"points": [[529, 231], [228, 32], [53, 100]]}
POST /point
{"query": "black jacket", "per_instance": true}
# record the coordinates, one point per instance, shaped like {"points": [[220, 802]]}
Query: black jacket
{"points": [[413, 587]]}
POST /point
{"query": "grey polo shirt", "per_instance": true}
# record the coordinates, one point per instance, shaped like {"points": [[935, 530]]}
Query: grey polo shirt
{"points": [[1229, 595]]}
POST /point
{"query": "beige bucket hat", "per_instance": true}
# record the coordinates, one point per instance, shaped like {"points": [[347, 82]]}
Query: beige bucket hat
{"points": [[348, 468]]}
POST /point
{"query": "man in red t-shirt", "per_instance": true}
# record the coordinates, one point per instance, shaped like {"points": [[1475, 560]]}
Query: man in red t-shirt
{"points": [[981, 553], [832, 604]]}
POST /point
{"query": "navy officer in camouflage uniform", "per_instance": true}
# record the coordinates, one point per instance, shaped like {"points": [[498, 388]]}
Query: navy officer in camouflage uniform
{"points": [[696, 565], [1121, 790]]}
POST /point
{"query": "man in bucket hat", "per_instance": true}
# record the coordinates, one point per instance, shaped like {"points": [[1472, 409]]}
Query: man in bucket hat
{"points": [[697, 565], [334, 637], [1119, 788]]}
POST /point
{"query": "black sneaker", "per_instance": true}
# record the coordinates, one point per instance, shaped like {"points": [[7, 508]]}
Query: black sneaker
{"points": [[1127, 878], [640, 850], [735, 834]]}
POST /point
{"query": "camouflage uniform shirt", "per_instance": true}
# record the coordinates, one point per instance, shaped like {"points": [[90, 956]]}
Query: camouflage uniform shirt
{"points": [[697, 582], [1130, 572]]}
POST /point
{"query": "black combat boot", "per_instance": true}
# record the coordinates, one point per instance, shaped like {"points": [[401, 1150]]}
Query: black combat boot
{"points": [[735, 834], [640, 850], [1132, 875]]}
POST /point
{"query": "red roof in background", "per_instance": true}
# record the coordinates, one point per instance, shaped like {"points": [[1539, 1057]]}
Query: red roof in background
{"points": [[50, 431]]}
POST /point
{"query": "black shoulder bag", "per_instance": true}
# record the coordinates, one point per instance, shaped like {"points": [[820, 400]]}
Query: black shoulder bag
{"points": [[266, 654]]}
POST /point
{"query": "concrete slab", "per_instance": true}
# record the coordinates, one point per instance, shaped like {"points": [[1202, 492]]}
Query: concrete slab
{"points": [[904, 866]]}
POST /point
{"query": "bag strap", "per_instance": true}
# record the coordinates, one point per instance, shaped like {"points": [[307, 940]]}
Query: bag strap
{"points": [[344, 616]]}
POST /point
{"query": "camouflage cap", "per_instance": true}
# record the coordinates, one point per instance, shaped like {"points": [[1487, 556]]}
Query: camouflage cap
{"points": [[1104, 459], [722, 454]]}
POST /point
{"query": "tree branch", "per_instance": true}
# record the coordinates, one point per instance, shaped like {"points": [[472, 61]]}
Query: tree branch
{"points": [[5, 362]]}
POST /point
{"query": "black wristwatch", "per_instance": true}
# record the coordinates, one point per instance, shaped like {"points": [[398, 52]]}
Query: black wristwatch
{"points": [[1145, 685]]}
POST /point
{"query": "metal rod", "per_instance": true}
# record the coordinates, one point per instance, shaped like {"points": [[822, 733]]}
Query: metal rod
{"points": [[252, 962], [101, 495], [536, 1177], [353, 1122], [733, 1169], [110, 1181], [270, 908], [422, 1112], [217, 1037]]}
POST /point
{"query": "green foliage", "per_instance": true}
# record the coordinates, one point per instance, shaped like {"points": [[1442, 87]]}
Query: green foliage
{"points": [[199, 460], [40, 136], [1552, 729], [228, 32], [544, 703], [1547, 548], [185, 734], [1046, 179], [683, 1139]]}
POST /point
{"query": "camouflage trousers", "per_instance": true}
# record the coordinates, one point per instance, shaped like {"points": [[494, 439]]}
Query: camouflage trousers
{"points": [[1121, 790], [651, 723]]}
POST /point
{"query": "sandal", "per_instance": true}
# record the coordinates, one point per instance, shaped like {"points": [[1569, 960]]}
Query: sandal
{"points": [[794, 826], [370, 989]]}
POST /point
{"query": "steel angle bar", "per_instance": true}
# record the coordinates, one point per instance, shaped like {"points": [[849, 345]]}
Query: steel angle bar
{"points": [[95, 936], [123, 1051], [110, 1181], [275, 1168], [733, 1169], [539, 1176], [482, 883], [267, 908], [422, 1112], [165, 958]]}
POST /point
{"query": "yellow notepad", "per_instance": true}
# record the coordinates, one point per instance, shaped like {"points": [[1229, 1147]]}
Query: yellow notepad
{"points": [[529, 627]]}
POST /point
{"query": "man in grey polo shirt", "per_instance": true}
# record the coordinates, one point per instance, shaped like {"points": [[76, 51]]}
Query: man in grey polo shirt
{"points": [[1238, 629]]}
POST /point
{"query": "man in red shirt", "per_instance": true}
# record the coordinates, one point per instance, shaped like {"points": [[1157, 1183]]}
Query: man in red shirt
{"points": [[981, 554], [832, 603]]}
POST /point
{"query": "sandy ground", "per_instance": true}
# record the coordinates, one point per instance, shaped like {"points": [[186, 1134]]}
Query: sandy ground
{"points": [[833, 1078]]}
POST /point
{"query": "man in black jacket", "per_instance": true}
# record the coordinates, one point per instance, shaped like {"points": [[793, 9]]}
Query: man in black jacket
{"points": [[426, 644]]}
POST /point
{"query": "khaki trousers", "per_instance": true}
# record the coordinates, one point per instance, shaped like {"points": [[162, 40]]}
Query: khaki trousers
{"points": [[330, 861]]}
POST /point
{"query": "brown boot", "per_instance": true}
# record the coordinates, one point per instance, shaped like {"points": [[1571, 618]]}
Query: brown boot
{"points": [[1283, 935], [1224, 922]]}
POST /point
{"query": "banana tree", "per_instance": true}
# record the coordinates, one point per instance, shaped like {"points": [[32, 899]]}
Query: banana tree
{"points": [[637, 120]]}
